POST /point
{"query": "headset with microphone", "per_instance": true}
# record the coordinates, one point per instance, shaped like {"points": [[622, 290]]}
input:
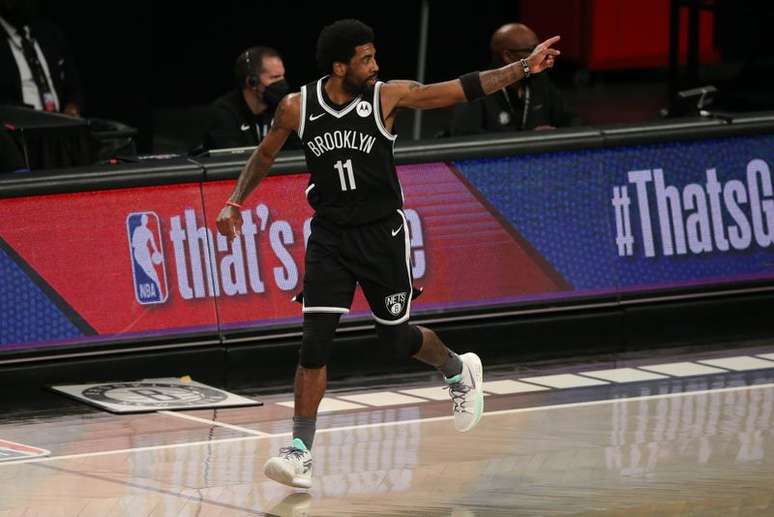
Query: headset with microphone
{"points": [[252, 80]]}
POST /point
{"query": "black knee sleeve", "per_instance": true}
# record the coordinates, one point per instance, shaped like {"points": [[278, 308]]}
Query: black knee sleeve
{"points": [[319, 329], [404, 340]]}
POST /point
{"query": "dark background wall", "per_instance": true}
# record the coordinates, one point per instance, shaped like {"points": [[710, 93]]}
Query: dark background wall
{"points": [[140, 56], [152, 64]]}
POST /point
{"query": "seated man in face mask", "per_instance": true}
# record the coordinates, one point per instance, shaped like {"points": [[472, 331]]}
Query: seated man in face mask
{"points": [[242, 117], [532, 103]]}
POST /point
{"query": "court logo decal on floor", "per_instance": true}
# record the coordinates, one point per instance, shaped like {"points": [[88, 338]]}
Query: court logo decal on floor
{"points": [[18, 451], [153, 395]]}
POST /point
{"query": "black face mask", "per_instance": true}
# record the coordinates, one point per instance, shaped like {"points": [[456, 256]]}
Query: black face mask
{"points": [[274, 93]]}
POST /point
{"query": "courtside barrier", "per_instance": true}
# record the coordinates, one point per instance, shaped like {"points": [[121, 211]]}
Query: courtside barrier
{"points": [[109, 258]]}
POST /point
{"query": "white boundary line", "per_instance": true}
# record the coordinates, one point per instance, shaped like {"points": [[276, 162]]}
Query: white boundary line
{"points": [[384, 424], [556, 406], [3, 440], [39, 453], [215, 423], [133, 450]]}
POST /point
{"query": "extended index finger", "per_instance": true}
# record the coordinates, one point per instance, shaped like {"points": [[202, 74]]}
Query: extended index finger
{"points": [[550, 41]]}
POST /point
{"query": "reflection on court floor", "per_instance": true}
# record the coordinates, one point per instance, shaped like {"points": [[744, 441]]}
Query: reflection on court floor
{"points": [[698, 445]]}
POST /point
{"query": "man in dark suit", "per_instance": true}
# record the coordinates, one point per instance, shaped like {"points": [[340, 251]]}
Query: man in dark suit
{"points": [[534, 103], [35, 67], [11, 158]]}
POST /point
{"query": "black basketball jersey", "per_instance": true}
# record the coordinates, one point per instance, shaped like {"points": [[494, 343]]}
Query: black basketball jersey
{"points": [[350, 156]]}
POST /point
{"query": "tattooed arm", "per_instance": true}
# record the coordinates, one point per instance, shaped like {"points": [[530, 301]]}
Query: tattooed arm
{"points": [[410, 94], [286, 119]]}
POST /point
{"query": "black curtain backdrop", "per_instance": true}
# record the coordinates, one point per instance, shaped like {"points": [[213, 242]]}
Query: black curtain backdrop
{"points": [[138, 56]]}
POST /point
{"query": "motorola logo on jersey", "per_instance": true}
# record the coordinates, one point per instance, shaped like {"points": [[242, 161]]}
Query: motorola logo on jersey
{"points": [[147, 257], [363, 109]]}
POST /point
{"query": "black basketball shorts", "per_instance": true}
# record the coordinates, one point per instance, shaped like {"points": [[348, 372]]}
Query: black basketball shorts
{"points": [[374, 255]]}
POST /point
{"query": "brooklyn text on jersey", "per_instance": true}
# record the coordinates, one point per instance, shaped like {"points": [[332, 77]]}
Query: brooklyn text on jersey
{"points": [[345, 139]]}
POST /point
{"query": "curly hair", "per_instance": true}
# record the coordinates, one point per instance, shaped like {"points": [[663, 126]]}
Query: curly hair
{"points": [[338, 40]]}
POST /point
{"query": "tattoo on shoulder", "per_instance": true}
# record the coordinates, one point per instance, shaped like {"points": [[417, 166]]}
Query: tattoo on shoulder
{"points": [[413, 85], [281, 112]]}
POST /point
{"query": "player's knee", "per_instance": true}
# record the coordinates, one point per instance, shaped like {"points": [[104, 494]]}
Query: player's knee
{"points": [[314, 351], [319, 330], [404, 340]]}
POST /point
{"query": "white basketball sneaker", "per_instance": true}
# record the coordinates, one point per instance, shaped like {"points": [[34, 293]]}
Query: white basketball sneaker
{"points": [[466, 392], [293, 466]]}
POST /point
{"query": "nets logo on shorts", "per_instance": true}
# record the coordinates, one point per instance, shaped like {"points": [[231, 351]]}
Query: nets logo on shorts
{"points": [[147, 256], [395, 303]]}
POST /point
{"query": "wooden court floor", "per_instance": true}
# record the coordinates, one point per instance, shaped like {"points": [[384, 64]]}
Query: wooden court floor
{"points": [[678, 444]]}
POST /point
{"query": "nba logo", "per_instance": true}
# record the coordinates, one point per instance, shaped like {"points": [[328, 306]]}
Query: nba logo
{"points": [[147, 256]]}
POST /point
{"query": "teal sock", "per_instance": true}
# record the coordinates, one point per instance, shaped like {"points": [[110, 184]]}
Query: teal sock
{"points": [[452, 366], [303, 429]]}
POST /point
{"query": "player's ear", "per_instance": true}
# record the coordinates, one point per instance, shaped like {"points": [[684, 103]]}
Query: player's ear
{"points": [[339, 69]]}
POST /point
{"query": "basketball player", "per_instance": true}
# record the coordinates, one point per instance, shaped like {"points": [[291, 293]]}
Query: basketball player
{"points": [[358, 233]]}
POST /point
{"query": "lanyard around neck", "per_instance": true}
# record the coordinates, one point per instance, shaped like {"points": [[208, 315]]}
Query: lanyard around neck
{"points": [[527, 101]]}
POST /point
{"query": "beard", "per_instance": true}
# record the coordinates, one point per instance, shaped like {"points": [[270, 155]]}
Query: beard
{"points": [[351, 85]]}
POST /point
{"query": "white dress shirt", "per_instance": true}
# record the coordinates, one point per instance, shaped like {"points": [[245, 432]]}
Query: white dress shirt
{"points": [[30, 93]]}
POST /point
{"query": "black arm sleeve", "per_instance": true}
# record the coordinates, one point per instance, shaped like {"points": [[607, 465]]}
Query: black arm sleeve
{"points": [[471, 85]]}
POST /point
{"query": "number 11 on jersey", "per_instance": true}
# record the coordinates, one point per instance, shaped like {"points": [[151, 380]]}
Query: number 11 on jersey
{"points": [[350, 174]]}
